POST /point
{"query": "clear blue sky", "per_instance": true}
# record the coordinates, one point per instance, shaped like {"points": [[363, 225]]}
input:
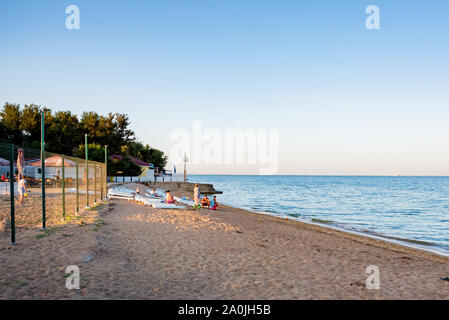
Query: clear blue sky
{"points": [[346, 100]]}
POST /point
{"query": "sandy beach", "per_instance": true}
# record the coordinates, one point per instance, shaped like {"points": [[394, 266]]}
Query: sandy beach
{"points": [[129, 251]]}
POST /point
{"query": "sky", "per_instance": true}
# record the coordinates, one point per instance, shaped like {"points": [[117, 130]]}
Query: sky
{"points": [[337, 97]]}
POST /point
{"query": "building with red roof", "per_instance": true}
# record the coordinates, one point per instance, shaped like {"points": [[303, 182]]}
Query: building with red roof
{"points": [[139, 162]]}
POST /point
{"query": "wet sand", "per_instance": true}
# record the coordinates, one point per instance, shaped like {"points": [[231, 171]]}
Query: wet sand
{"points": [[138, 252]]}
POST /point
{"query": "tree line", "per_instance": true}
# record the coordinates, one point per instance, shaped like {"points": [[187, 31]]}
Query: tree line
{"points": [[64, 133]]}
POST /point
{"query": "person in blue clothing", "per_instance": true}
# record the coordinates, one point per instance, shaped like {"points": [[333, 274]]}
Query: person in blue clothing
{"points": [[214, 204]]}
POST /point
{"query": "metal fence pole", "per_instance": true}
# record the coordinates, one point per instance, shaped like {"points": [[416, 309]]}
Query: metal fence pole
{"points": [[43, 167], [101, 183], [11, 192], [77, 188], [87, 172], [95, 183], [63, 187], [106, 168]]}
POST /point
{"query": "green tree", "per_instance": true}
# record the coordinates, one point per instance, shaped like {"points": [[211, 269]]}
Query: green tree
{"points": [[2, 132], [96, 152], [123, 167], [64, 132], [112, 130], [147, 154], [11, 116], [30, 124]]}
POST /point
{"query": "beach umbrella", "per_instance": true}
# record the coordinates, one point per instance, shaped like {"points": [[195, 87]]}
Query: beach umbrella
{"points": [[54, 161], [4, 162]]}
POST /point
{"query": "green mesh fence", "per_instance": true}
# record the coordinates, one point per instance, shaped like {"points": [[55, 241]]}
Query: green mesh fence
{"points": [[70, 186]]}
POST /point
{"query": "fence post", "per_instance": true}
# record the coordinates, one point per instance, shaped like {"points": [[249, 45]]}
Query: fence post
{"points": [[11, 193], [106, 169], [43, 167], [87, 172], [95, 183], [101, 183], [77, 188], [63, 187]]}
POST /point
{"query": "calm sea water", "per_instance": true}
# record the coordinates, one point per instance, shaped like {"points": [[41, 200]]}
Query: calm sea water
{"points": [[413, 210]]}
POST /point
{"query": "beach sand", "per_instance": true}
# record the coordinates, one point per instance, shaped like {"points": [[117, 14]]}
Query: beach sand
{"points": [[129, 251]]}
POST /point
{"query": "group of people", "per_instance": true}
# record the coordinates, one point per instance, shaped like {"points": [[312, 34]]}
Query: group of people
{"points": [[205, 202]]}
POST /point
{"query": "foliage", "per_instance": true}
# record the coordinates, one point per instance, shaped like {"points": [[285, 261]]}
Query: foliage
{"points": [[147, 154], [65, 131], [124, 167]]}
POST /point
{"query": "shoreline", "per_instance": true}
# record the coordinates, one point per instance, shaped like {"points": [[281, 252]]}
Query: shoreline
{"points": [[332, 225], [367, 239], [406, 243]]}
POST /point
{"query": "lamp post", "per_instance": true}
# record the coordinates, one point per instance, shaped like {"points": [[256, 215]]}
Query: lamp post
{"points": [[185, 159]]}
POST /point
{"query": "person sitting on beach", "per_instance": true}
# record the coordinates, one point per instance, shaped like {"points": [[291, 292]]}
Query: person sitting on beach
{"points": [[214, 204], [169, 197], [154, 193], [22, 188], [205, 202]]}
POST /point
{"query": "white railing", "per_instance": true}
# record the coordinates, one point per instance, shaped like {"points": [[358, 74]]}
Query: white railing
{"points": [[166, 178]]}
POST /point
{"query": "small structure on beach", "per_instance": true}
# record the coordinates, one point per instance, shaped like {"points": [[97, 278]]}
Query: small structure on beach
{"points": [[53, 161], [147, 168]]}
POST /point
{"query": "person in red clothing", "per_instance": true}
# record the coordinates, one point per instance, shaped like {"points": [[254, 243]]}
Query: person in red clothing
{"points": [[169, 197]]}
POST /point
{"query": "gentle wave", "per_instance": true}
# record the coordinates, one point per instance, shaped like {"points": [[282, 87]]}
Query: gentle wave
{"points": [[411, 210]]}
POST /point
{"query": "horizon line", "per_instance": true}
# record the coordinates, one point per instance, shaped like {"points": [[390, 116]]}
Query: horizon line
{"points": [[313, 175]]}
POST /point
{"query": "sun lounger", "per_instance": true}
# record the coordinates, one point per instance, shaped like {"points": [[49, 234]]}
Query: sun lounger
{"points": [[147, 201], [159, 194], [164, 205], [184, 201], [155, 202], [121, 193]]}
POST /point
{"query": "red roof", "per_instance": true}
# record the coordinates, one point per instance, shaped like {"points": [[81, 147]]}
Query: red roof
{"points": [[135, 160], [54, 161]]}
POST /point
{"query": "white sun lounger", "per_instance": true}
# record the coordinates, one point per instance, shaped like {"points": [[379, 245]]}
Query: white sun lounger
{"points": [[121, 193], [164, 205], [146, 200], [184, 201]]}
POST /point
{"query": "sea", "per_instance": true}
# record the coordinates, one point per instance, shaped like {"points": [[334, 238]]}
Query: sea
{"points": [[412, 211]]}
